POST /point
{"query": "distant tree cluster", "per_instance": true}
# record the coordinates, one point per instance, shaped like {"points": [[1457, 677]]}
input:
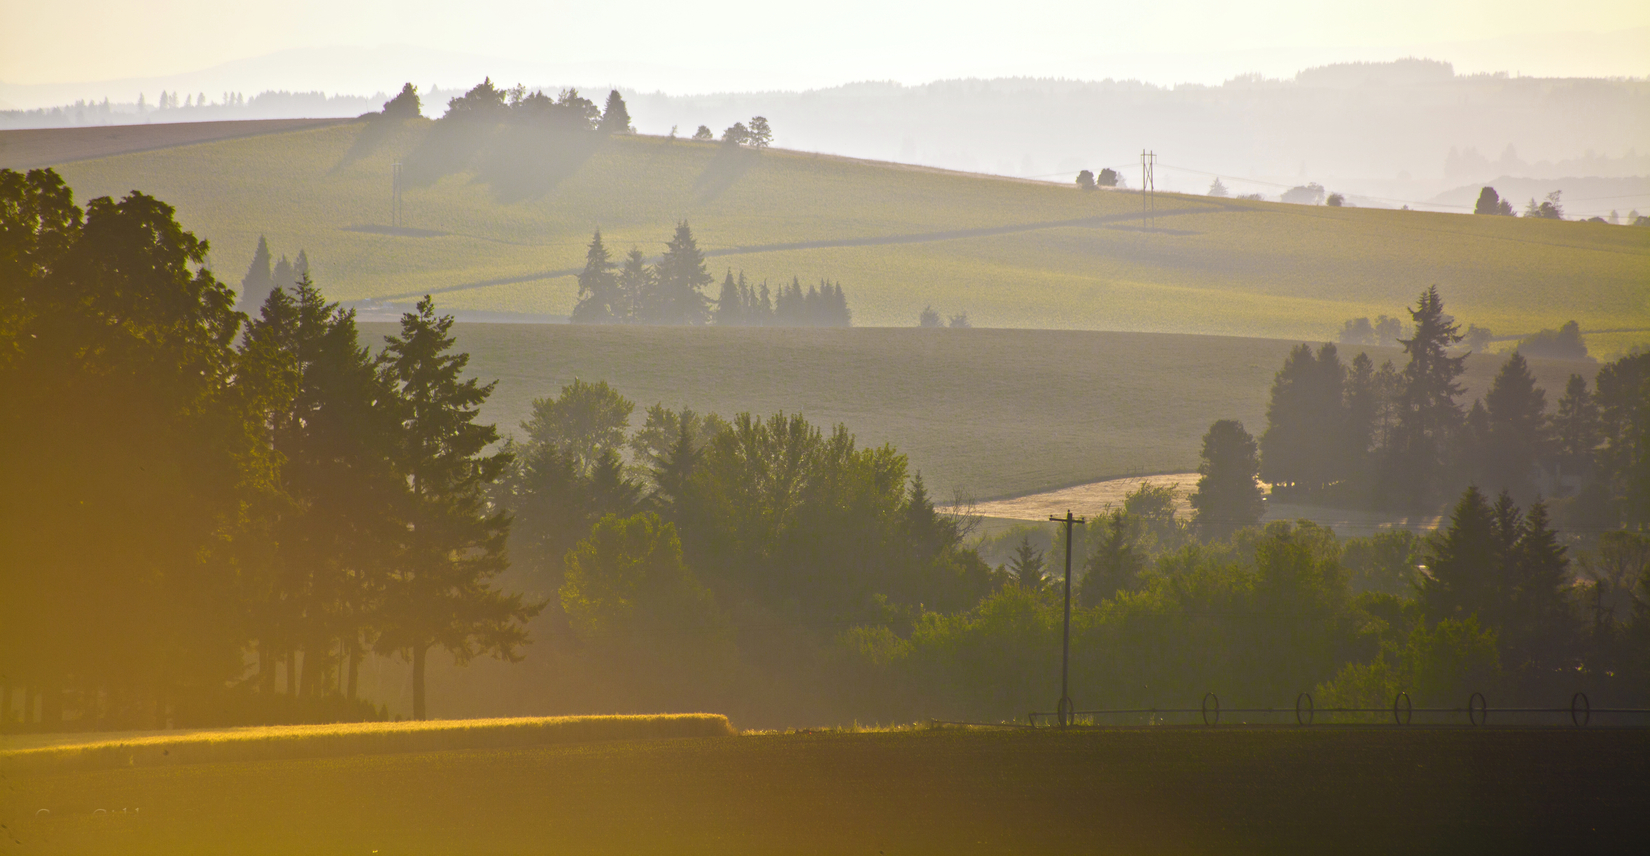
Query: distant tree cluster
{"points": [[1384, 332], [1491, 203], [930, 318], [486, 103], [672, 292], [742, 304], [1217, 189], [669, 292], [756, 135], [405, 105], [1565, 343], [1108, 177], [1551, 208], [1311, 193], [262, 278], [1401, 439]]}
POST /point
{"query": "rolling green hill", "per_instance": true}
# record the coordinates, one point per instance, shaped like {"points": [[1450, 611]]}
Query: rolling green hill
{"points": [[990, 412], [1011, 253]]}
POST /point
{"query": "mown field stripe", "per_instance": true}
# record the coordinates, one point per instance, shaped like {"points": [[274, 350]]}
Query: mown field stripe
{"points": [[93, 752]]}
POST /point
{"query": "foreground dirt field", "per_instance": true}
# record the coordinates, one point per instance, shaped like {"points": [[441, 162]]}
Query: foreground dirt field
{"points": [[1150, 790]]}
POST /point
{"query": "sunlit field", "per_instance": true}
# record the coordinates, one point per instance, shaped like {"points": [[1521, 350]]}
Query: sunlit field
{"points": [[990, 412], [1144, 790], [1010, 253], [60, 752]]}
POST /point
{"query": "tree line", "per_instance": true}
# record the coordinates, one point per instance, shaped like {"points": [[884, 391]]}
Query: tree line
{"points": [[672, 292], [188, 486], [1361, 436]]}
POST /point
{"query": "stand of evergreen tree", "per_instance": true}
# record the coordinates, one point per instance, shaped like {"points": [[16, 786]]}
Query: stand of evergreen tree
{"points": [[672, 292], [195, 487]]}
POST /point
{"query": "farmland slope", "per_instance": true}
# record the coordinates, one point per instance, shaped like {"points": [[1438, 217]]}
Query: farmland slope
{"points": [[991, 412], [503, 232]]}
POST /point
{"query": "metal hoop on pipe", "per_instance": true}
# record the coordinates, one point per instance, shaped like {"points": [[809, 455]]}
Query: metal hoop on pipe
{"points": [[1211, 708], [1477, 709], [1581, 710], [1303, 709], [1402, 709]]}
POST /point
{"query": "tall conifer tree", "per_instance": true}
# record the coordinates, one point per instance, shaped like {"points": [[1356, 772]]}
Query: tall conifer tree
{"points": [[1427, 413], [438, 591], [599, 301]]}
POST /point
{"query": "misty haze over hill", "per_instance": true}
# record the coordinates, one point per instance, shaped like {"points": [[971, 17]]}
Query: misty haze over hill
{"points": [[1403, 132]]}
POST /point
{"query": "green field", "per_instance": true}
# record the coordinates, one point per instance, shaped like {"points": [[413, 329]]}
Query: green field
{"points": [[1165, 790], [992, 412], [1012, 253]]}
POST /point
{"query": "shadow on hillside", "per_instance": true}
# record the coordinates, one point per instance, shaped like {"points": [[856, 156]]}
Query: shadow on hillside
{"points": [[375, 129], [448, 148], [528, 160], [729, 165]]}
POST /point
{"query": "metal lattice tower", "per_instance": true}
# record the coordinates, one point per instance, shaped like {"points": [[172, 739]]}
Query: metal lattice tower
{"points": [[1148, 188]]}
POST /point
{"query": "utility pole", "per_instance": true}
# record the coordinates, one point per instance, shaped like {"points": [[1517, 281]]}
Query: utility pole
{"points": [[1064, 710], [395, 194], [1148, 187]]}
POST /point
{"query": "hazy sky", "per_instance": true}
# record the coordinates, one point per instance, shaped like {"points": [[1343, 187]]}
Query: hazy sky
{"points": [[770, 44]]}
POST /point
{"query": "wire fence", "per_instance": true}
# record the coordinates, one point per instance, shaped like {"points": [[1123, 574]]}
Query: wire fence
{"points": [[1403, 712]]}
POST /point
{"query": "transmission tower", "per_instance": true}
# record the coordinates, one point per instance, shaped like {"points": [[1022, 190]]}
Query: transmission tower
{"points": [[1148, 188]]}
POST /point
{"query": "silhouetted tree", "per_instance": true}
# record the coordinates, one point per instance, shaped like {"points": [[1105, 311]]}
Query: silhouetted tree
{"points": [[599, 300], [929, 318], [636, 292], [704, 134], [1490, 202], [1565, 343], [483, 103], [1113, 564], [1085, 180], [583, 423], [681, 277], [1025, 567], [1228, 497], [761, 136], [1108, 177], [616, 117], [259, 280], [405, 105], [1306, 419], [1516, 430], [1576, 427], [1623, 458], [438, 590], [1427, 414]]}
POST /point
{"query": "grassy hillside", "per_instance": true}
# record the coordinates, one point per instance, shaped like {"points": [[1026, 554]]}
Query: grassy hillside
{"points": [[1011, 253], [1148, 790], [994, 412]]}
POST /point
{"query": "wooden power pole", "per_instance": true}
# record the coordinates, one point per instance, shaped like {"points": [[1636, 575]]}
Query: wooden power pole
{"points": [[1064, 711]]}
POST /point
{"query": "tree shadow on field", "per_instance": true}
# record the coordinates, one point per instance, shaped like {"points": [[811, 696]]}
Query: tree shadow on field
{"points": [[375, 129], [529, 159], [449, 147], [729, 165]]}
